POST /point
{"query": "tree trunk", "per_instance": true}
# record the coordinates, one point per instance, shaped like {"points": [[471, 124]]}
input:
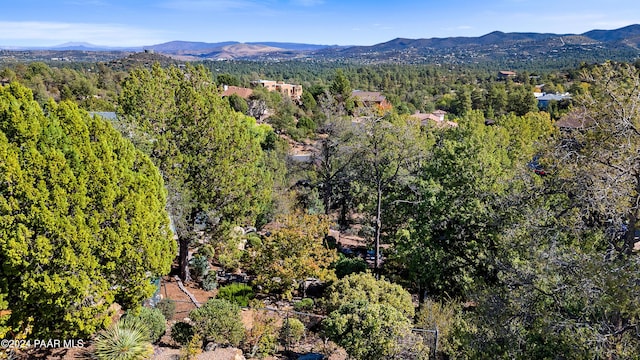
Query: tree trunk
{"points": [[326, 194], [344, 210], [376, 262], [630, 236], [183, 258], [422, 295], [632, 218]]}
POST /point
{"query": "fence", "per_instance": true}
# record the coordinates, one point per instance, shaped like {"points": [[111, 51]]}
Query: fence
{"points": [[423, 344]]}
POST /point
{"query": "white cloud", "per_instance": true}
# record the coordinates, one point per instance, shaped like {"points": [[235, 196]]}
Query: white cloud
{"points": [[51, 33]]}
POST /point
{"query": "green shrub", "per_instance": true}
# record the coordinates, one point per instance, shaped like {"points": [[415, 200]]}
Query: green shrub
{"points": [[262, 338], [236, 293], [207, 250], [152, 319], [199, 266], [229, 253], [447, 318], [254, 241], [368, 330], [305, 304], [209, 282], [267, 344], [347, 266], [125, 340], [238, 104], [296, 134], [270, 141], [218, 320], [292, 331], [167, 307], [192, 349], [256, 304], [182, 333], [307, 125], [365, 287]]}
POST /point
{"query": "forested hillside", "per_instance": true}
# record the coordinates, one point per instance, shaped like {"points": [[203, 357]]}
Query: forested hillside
{"points": [[460, 206]]}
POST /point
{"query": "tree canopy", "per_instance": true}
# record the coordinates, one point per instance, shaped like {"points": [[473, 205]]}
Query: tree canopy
{"points": [[295, 250], [368, 317], [82, 218], [210, 155], [365, 287], [598, 164]]}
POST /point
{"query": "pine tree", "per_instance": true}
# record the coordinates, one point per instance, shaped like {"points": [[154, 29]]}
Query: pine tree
{"points": [[210, 156]]}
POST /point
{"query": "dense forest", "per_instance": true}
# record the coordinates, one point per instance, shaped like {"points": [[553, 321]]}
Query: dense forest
{"points": [[510, 230]]}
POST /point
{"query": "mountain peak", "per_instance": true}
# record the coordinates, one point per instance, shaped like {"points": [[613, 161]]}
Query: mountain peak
{"points": [[631, 31], [75, 44]]}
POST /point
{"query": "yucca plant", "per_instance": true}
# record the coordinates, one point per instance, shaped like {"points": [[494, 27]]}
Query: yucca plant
{"points": [[128, 339]]}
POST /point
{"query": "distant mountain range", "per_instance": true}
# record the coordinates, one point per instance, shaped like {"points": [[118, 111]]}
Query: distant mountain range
{"points": [[176, 47], [594, 45], [72, 46], [231, 49]]}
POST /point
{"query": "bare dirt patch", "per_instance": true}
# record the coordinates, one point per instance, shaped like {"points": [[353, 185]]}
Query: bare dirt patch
{"points": [[169, 290]]}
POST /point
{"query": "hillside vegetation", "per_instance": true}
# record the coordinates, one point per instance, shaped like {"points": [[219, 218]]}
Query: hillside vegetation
{"points": [[445, 198]]}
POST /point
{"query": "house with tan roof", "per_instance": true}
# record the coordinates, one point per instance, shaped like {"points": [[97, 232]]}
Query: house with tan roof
{"points": [[240, 91], [436, 118], [504, 74]]}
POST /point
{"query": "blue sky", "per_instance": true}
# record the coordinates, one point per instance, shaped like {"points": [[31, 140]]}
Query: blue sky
{"points": [[342, 22]]}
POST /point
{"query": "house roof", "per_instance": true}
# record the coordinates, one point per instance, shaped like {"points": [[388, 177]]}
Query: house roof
{"points": [[433, 117], [507, 73], [424, 117], [420, 116], [240, 91], [556, 97]]}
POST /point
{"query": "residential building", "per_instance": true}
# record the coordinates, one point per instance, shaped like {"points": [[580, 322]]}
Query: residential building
{"points": [[240, 91], [503, 74], [371, 99], [544, 100], [289, 90], [436, 118]]}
